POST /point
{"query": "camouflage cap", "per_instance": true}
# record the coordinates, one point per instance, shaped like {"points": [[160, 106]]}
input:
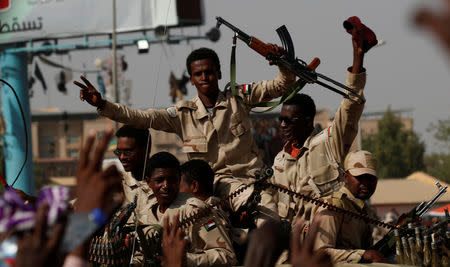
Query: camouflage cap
{"points": [[360, 162]]}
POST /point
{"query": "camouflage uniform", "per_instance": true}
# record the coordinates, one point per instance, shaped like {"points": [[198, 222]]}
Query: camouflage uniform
{"points": [[209, 242], [343, 237], [315, 171], [222, 138], [132, 187]]}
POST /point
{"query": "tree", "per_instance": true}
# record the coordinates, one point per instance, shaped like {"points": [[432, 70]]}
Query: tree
{"points": [[399, 151], [441, 131], [437, 164]]}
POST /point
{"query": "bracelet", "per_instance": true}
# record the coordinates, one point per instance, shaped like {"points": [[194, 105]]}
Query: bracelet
{"points": [[98, 216]]}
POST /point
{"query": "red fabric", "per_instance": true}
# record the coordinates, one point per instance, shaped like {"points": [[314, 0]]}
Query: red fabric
{"points": [[363, 35], [441, 209], [4, 4]]}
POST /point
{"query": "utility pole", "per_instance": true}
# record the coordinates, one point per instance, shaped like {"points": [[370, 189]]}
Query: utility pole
{"points": [[114, 58]]}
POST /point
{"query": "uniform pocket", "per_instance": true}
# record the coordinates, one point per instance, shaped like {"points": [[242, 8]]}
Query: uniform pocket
{"points": [[195, 144], [327, 179], [237, 126]]}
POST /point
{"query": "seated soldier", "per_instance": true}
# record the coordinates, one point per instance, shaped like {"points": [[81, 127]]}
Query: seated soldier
{"points": [[197, 179], [209, 245], [347, 239]]}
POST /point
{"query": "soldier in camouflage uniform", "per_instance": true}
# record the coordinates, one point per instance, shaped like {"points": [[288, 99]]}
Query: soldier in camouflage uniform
{"points": [[347, 239], [209, 243], [310, 163], [214, 125]]}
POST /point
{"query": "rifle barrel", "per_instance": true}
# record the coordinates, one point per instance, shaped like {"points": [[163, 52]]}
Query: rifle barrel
{"points": [[240, 34]]}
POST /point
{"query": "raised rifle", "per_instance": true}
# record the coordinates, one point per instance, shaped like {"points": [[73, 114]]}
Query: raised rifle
{"points": [[289, 61], [386, 245]]}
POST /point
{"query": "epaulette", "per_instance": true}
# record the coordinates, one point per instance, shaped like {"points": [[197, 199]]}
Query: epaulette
{"points": [[185, 104], [322, 136], [195, 202]]}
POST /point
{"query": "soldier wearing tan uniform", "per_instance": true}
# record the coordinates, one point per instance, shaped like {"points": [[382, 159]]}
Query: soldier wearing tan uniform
{"points": [[347, 239], [209, 244], [310, 164], [214, 126], [131, 151]]}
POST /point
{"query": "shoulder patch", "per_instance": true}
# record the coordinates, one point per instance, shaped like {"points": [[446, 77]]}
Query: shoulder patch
{"points": [[210, 225], [330, 131], [172, 111], [246, 89]]}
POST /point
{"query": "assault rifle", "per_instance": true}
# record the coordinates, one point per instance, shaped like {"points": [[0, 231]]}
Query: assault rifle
{"points": [[289, 61], [386, 245], [123, 216]]}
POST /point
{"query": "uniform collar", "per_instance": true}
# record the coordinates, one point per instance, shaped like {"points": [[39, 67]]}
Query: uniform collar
{"points": [[293, 149], [358, 202], [179, 201], [129, 180], [201, 111]]}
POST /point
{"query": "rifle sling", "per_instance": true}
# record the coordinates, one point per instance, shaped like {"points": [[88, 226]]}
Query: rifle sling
{"points": [[289, 93]]}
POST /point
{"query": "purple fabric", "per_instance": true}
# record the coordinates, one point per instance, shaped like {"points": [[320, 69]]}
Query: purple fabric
{"points": [[16, 215]]}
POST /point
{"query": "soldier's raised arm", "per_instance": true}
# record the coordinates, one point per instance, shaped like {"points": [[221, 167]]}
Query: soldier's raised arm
{"points": [[345, 125], [165, 119], [89, 93]]}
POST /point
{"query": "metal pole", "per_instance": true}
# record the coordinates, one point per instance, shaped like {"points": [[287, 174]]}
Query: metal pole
{"points": [[114, 57], [14, 71]]}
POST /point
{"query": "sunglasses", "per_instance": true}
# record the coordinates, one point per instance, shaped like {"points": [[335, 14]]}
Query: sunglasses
{"points": [[126, 153], [288, 120]]}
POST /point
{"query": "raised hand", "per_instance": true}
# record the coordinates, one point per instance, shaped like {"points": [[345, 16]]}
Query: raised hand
{"points": [[89, 93], [173, 244], [436, 22], [35, 248], [97, 188]]}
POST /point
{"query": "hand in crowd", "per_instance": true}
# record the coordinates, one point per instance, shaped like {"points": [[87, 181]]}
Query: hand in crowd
{"points": [[35, 248], [89, 93], [173, 244], [266, 244], [303, 254], [437, 22], [97, 188], [25, 196]]}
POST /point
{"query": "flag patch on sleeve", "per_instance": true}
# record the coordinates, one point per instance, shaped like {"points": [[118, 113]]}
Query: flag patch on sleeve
{"points": [[246, 88], [210, 225]]}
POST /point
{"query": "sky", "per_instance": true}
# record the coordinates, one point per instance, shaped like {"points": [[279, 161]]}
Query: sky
{"points": [[410, 71]]}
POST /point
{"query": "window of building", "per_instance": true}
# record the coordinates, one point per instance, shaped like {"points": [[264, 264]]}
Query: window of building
{"points": [[48, 146], [72, 153], [73, 139]]}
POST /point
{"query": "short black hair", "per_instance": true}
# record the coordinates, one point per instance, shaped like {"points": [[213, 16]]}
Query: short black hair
{"points": [[202, 53], [200, 171], [305, 102], [163, 160], [140, 135]]}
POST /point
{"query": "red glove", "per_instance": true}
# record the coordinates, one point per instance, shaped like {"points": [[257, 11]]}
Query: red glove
{"points": [[364, 36]]}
